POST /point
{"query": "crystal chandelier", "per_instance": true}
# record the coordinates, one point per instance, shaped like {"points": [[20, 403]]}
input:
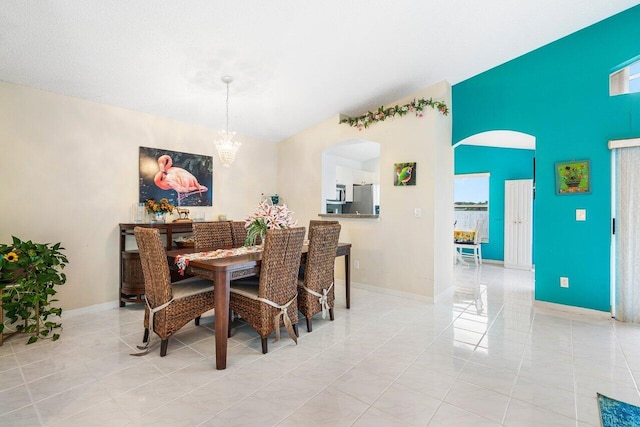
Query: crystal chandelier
{"points": [[227, 148]]}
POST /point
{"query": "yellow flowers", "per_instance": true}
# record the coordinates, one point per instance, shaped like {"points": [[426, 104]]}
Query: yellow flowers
{"points": [[163, 206], [11, 257]]}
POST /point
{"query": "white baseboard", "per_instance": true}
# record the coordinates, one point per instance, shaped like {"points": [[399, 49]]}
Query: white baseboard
{"points": [[386, 291], [66, 314], [569, 309]]}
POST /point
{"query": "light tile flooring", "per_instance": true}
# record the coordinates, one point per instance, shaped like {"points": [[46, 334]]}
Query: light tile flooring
{"points": [[485, 358]]}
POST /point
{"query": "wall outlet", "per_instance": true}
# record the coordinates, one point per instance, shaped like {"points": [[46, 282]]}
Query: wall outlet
{"points": [[581, 214], [356, 264], [564, 282]]}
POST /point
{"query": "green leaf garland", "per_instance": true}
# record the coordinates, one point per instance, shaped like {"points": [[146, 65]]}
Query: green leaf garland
{"points": [[382, 113]]}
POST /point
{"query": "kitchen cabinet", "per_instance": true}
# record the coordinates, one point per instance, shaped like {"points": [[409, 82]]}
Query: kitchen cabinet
{"points": [[361, 177], [518, 224]]}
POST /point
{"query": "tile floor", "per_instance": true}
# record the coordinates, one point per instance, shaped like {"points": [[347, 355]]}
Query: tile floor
{"points": [[485, 358]]}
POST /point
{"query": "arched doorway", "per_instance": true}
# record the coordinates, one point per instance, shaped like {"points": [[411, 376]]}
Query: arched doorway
{"points": [[502, 155]]}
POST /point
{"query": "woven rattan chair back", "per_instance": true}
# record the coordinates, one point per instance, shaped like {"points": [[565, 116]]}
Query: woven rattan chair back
{"points": [[319, 270], [157, 279], [315, 222], [212, 234], [277, 284], [280, 262], [239, 233], [319, 223]]}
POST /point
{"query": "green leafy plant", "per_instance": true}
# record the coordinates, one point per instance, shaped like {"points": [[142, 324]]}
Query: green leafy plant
{"points": [[29, 273]]}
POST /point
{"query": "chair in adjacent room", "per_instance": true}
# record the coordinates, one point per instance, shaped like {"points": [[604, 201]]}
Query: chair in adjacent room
{"points": [[213, 235], [169, 306], [474, 247], [316, 291], [273, 303], [239, 233]]}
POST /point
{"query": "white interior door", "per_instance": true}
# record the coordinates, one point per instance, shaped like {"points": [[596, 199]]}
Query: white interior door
{"points": [[518, 224]]}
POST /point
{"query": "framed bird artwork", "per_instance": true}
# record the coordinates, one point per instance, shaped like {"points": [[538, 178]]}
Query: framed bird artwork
{"points": [[184, 179], [404, 174]]}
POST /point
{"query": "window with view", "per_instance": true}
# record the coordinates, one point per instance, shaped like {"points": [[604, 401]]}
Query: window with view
{"points": [[625, 80], [471, 203]]}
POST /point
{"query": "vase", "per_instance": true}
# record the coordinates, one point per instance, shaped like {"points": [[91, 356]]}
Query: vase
{"points": [[159, 217]]}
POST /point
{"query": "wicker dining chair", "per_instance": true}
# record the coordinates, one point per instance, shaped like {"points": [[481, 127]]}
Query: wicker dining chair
{"points": [[169, 306], [212, 235], [273, 303], [239, 233], [316, 291], [313, 223]]}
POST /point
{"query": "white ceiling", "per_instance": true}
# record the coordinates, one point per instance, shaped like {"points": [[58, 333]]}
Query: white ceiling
{"points": [[294, 62]]}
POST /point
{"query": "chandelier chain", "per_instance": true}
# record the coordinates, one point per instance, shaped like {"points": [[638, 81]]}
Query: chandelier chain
{"points": [[227, 107]]}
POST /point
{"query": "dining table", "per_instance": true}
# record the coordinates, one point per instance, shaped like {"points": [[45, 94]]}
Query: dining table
{"points": [[222, 270]]}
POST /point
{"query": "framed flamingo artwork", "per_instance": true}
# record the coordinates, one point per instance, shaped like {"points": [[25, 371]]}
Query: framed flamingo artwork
{"points": [[184, 179]]}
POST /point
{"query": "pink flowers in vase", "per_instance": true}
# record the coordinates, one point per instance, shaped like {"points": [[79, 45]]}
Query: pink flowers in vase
{"points": [[267, 217]]}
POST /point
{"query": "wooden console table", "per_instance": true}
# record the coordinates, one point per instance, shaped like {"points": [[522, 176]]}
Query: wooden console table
{"points": [[131, 277]]}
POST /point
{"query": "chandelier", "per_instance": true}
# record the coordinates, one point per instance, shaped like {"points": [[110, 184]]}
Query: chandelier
{"points": [[227, 148]]}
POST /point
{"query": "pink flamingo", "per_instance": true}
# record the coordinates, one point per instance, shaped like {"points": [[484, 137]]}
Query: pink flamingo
{"points": [[178, 179]]}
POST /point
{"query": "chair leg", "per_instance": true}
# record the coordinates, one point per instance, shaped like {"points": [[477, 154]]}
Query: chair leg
{"points": [[480, 254], [163, 347], [331, 314], [198, 321], [230, 320], [264, 345], [309, 324], [295, 329], [145, 338]]}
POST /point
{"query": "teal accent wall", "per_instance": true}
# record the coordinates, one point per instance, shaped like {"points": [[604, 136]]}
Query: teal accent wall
{"points": [[560, 95], [502, 164]]}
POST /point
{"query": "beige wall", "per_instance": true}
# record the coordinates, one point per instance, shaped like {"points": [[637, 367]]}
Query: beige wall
{"points": [[69, 173], [398, 251]]}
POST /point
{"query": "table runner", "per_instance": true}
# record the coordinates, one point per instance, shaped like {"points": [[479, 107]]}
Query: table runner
{"points": [[182, 261]]}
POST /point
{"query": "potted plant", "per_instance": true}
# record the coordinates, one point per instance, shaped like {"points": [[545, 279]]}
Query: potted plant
{"points": [[159, 209], [29, 273], [267, 217]]}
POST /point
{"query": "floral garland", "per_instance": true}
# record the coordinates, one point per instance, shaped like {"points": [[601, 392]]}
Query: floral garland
{"points": [[382, 114]]}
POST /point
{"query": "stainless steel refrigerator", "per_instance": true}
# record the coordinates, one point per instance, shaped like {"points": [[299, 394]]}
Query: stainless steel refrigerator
{"points": [[362, 199]]}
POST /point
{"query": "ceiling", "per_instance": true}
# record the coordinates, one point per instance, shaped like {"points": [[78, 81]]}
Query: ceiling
{"points": [[294, 63]]}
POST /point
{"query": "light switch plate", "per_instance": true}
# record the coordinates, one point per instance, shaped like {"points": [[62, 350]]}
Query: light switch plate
{"points": [[417, 212], [581, 214]]}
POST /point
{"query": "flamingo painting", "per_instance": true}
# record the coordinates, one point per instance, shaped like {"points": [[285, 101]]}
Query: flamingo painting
{"points": [[177, 179]]}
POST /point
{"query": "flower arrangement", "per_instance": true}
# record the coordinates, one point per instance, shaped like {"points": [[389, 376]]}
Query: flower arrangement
{"points": [[161, 207], [382, 113], [267, 217], [28, 274]]}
